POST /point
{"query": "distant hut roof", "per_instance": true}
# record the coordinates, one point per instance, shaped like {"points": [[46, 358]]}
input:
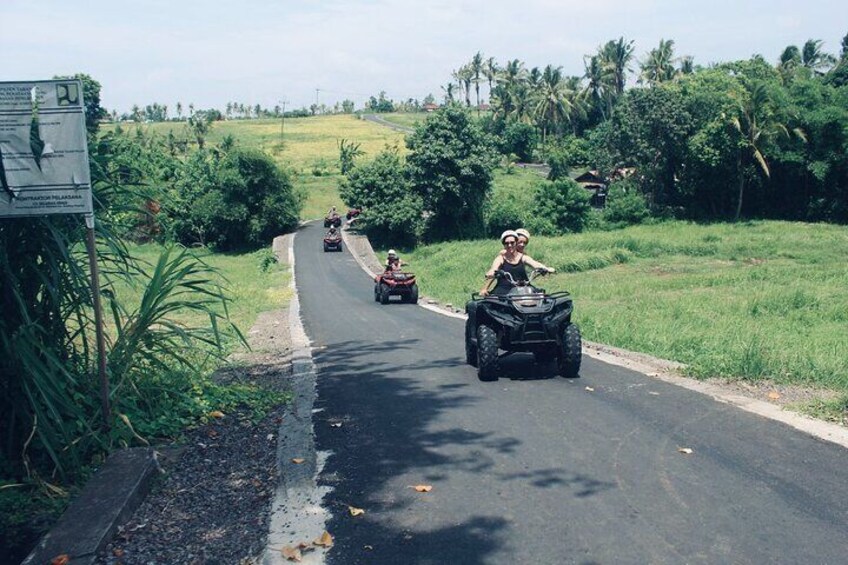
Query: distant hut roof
{"points": [[591, 177]]}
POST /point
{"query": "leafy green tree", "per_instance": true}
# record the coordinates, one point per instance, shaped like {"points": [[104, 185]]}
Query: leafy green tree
{"points": [[649, 131], [199, 124], [391, 210], [235, 201], [450, 163]]}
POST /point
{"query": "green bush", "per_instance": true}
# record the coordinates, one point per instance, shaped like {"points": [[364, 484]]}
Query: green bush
{"points": [[625, 205], [561, 206], [502, 212], [520, 139], [237, 201]]}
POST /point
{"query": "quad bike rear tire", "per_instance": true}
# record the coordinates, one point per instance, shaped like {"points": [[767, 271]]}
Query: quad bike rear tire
{"points": [[413, 294], [570, 353], [384, 293], [487, 354]]}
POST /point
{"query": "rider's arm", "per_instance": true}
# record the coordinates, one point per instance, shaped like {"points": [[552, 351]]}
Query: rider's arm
{"points": [[536, 265], [496, 264]]}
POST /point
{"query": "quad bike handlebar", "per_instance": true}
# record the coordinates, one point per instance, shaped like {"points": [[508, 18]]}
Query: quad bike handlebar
{"points": [[534, 274]]}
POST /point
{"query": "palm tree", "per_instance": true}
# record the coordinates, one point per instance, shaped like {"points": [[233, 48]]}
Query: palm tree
{"points": [[553, 103], [180, 111], [448, 90], [490, 70], [658, 66], [687, 66], [475, 68], [814, 59], [615, 58], [756, 123], [596, 88]]}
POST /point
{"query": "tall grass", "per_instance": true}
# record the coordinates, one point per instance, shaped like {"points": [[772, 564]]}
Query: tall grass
{"points": [[754, 300]]}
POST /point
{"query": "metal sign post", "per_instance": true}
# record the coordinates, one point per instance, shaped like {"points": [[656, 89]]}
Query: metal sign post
{"points": [[44, 170]]}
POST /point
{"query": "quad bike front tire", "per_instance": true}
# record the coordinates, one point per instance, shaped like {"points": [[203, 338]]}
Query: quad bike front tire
{"points": [[413, 294], [326, 247], [384, 294], [487, 354], [376, 292], [470, 348], [570, 353]]}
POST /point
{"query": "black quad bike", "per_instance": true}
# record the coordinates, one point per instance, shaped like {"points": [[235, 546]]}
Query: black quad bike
{"points": [[526, 319], [395, 283]]}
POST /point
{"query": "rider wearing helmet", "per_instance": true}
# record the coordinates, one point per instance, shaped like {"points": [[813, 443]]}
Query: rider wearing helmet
{"points": [[523, 239], [512, 261], [393, 262]]}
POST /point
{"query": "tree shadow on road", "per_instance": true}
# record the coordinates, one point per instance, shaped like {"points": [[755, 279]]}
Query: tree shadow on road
{"points": [[379, 419]]}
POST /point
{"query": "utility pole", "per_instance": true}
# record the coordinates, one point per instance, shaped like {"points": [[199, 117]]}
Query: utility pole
{"points": [[282, 120]]}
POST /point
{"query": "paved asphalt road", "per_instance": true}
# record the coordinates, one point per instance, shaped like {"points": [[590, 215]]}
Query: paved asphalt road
{"points": [[535, 468]]}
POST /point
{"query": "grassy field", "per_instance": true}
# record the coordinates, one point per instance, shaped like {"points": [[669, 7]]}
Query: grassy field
{"points": [[251, 288], [752, 300]]}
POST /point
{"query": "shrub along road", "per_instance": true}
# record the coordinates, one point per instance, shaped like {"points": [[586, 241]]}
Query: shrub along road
{"points": [[614, 466]]}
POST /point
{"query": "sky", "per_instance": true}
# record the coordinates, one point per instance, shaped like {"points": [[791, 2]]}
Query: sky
{"points": [[270, 52]]}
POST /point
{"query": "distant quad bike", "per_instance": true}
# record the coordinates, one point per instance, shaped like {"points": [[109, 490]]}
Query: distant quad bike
{"points": [[335, 221], [352, 213], [333, 242], [395, 283], [526, 319]]}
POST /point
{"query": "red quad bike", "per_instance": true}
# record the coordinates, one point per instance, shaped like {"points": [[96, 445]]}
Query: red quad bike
{"points": [[333, 242], [352, 213], [395, 283], [525, 319], [335, 221]]}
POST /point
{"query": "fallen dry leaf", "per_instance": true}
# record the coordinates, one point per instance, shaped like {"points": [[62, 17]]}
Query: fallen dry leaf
{"points": [[216, 414], [336, 425], [686, 450], [326, 540], [368, 547], [63, 559], [590, 389], [652, 393], [291, 553], [118, 552], [298, 460], [773, 395], [355, 511], [422, 488]]}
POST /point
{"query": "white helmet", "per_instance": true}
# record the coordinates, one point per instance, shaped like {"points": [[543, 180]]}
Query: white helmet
{"points": [[392, 253], [508, 233]]}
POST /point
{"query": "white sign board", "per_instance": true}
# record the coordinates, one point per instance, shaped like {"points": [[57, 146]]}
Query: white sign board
{"points": [[43, 149]]}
